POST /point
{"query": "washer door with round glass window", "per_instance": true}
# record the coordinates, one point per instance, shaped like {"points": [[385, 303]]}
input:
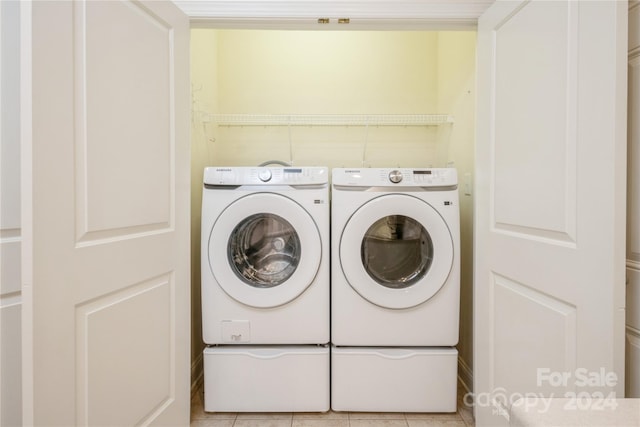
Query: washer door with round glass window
{"points": [[396, 251], [264, 250]]}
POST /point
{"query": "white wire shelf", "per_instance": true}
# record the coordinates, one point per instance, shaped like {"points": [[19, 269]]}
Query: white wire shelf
{"points": [[330, 119]]}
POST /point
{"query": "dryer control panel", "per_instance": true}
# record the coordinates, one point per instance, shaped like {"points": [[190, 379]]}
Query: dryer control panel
{"points": [[400, 177], [235, 176]]}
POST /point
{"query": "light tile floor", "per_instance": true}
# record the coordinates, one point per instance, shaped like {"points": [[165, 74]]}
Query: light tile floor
{"points": [[199, 418]]}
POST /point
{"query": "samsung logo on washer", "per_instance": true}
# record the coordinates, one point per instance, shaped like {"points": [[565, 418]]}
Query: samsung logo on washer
{"points": [[223, 169], [352, 171]]}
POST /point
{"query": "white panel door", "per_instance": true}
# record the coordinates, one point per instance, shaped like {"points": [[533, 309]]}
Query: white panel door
{"points": [[106, 219], [10, 230], [550, 213]]}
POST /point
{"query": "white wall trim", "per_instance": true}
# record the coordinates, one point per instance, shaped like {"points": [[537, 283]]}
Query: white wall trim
{"points": [[381, 9], [379, 14]]}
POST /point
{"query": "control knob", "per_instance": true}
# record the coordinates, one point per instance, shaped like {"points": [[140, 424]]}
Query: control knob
{"points": [[264, 175], [395, 176]]}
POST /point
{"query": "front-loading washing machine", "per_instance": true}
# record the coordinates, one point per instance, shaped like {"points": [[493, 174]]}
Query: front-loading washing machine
{"points": [[395, 282], [265, 289]]}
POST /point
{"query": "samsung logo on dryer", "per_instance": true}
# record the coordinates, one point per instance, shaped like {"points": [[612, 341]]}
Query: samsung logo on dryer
{"points": [[352, 171], [223, 169]]}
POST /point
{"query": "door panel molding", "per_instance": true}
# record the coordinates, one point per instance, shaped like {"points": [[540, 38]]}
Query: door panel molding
{"points": [[124, 183], [537, 317], [139, 348], [536, 144]]}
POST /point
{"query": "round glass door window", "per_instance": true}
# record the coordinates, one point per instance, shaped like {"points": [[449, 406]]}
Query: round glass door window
{"points": [[264, 250], [397, 251]]}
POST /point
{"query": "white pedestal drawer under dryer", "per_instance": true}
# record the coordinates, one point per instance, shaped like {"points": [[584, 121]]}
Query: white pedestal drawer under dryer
{"points": [[265, 289], [395, 289]]}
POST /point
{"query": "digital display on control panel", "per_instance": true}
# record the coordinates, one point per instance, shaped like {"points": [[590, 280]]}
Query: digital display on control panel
{"points": [[422, 172], [293, 171]]}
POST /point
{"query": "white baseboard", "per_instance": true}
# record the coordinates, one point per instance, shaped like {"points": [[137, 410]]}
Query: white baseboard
{"points": [[465, 375], [197, 374]]}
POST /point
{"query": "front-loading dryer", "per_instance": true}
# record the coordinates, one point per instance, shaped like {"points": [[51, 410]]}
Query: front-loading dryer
{"points": [[265, 288], [395, 284], [396, 263]]}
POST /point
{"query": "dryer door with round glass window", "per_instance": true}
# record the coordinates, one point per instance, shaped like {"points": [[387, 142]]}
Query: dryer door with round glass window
{"points": [[396, 251], [264, 250]]}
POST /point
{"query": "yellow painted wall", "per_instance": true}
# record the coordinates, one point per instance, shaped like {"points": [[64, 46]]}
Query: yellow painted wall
{"points": [[326, 72]]}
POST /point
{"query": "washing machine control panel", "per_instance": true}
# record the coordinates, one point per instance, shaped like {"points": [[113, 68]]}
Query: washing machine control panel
{"points": [[241, 175], [405, 177]]}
